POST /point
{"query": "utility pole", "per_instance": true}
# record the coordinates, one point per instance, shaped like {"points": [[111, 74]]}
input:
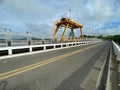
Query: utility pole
{"points": [[28, 38], [68, 14], [8, 37]]}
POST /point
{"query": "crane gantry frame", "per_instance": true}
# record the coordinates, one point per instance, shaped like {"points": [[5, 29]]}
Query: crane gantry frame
{"points": [[67, 23]]}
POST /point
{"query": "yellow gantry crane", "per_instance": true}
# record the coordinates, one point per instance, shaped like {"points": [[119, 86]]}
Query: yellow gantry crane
{"points": [[67, 23]]}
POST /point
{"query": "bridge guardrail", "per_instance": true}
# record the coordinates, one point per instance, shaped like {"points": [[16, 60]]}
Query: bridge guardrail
{"points": [[117, 53], [104, 76], [117, 50], [5, 51]]}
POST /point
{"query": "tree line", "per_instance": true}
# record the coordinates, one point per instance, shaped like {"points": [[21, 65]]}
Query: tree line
{"points": [[115, 38]]}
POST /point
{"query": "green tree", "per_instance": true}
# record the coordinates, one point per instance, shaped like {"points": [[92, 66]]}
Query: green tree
{"points": [[116, 38]]}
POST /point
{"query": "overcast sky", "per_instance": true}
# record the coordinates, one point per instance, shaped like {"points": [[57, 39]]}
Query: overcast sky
{"points": [[37, 16]]}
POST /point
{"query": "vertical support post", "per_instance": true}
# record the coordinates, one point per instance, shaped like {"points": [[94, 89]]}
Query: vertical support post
{"points": [[30, 49], [81, 33], [73, 34], [10, 38], [6, 38], [28, 38], [44, 47], [9, 51], [61, 45], [67, 44], [64, 32], [54, 46], [56, 30]]}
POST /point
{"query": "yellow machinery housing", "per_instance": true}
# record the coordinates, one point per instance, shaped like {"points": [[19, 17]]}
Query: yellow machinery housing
{"points": [[67, 23]]}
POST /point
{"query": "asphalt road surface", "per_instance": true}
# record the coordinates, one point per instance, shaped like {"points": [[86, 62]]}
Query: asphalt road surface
{"points": [[75, 68]]}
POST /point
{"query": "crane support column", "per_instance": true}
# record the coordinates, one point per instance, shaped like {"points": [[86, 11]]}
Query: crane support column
{"points": [[56, 30], [81, 33], [72, 30], [64, 32], [67, 23]]}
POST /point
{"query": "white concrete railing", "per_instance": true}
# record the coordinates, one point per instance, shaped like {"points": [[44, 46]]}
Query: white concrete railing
{"points": [[117, 53], [104, 76], [3, 43], [31, 48], [117, 50]]}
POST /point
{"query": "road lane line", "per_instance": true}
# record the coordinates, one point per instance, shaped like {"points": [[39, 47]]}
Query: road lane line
{"points": [[40, 64]]}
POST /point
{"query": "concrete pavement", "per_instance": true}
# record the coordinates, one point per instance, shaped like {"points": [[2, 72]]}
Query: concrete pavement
{"points": [[67, 69]]}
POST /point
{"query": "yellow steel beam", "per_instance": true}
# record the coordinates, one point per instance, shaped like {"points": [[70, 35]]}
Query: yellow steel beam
{"points": [[73, 32], [75, 23], [67, 23], [72, 24], [56, 30], [64, 32], [81, 33]]}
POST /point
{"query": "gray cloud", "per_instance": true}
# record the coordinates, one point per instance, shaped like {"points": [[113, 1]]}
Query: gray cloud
{"points": [[38, 14]]}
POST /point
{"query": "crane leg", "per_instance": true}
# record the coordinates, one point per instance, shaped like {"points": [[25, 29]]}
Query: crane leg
{"points": [[64, 32], [81, 37], [56, 30]]}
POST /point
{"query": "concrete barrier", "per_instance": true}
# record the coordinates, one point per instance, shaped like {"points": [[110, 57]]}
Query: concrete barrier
{"points": [[17, 50], [117, 50], [117, 53], [104, 76]]}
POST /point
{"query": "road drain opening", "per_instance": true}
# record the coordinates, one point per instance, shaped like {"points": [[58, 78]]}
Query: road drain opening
{"points": [[3, 52], [37, 48], [49, 47], [16, 51]]}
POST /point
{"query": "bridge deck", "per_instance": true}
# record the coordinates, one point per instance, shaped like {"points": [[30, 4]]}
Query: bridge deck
{"points": [[66, 69]]}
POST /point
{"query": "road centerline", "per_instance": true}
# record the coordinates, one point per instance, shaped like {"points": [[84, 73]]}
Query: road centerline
{"points": [[40, 64]]}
